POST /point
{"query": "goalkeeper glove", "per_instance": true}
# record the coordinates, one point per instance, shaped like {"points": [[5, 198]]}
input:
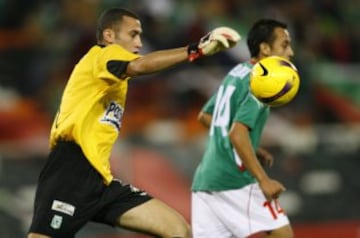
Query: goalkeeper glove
{"points": [[217, 40]]}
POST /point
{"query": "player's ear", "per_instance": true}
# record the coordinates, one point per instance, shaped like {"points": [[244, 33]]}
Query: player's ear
{"points": [[265, 49], [109, 35]]}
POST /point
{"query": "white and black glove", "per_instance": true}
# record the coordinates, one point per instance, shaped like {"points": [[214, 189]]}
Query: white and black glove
{"points": [[219, 39]]}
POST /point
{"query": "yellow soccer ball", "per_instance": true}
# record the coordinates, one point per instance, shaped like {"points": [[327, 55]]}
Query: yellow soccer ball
{"points": [[274, 81]]}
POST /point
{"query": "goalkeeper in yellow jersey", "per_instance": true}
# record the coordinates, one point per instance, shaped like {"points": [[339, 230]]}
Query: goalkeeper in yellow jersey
{"points": [[76, 185]]}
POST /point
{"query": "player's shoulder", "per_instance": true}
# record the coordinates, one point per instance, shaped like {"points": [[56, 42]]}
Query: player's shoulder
{"points": [[254, 103], [241, 70], [117, 52]]}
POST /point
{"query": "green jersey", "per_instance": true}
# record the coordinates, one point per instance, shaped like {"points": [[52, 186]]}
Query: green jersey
{"points": [[221, 168]]}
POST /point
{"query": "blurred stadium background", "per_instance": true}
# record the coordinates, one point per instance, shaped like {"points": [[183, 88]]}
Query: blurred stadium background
{"points": [[315, 138]]}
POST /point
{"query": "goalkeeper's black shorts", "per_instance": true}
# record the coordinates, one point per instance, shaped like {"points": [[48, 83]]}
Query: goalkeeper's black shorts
{"points": [[71, 192]]}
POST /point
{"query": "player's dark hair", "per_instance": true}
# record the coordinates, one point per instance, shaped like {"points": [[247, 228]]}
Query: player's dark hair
{"points": [[262, 31], [109, 18]]}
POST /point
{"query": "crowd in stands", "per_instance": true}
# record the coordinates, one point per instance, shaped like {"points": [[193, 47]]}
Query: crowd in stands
{"points": [[40, 41]]}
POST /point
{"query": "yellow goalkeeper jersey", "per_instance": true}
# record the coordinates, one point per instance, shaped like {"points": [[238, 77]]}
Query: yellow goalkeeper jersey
{"points": [[93, 103]]}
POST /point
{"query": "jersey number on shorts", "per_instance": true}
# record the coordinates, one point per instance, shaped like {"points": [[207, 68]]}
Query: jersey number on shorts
{"points": [[221, 113], [274, 208]]}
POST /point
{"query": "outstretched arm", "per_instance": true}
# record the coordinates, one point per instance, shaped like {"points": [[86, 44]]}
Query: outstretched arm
{"points": [[157, 61], [219, 39]]}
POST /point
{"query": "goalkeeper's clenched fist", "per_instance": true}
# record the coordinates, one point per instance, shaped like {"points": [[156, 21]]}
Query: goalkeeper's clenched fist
{"points": [[217, 40]]}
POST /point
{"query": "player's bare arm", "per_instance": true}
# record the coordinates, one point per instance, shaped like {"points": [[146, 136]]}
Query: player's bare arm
{"points": [[205, 119], [219, 39], [239, 136], [240, 139], [265, 157], [157, 61]]}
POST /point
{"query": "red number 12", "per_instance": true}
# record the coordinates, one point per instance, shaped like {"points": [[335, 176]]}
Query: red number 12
{"points": [[274, 210]]}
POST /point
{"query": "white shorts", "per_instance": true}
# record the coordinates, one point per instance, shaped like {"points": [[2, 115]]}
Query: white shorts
{"points": [[234, 213]]}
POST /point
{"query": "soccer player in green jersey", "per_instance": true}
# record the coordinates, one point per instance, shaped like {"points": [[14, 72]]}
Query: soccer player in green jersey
{"points": [[232, 195], [76, 185]]}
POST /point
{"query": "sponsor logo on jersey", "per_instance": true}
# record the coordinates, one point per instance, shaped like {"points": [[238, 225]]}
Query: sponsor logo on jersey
{"points": [[56, 221], [63, 207], [113, 115]]}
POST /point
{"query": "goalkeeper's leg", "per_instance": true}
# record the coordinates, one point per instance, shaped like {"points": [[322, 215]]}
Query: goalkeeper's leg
{"points": [[156, 218]]}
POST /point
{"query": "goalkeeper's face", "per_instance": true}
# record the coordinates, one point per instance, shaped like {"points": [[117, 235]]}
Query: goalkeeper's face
{"points": [[127, 34]]}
